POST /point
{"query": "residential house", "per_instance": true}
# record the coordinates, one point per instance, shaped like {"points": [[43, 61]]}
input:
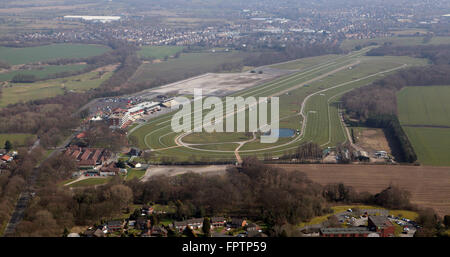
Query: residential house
{"points": [[114, 225], [94, 233], [142, 223], [192, 223], [147, 209], [252, 227], [6, 158], [158, 231], [218, 222], [237, 223], [131, 223]]}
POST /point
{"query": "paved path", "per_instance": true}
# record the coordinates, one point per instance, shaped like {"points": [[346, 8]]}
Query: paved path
{"points": [[241, 144]]}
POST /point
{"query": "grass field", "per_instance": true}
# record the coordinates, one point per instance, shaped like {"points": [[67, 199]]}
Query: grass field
{"points": [[91, 182], [424, 105], [432, 145], [187, 64], [424, 113], [42, 73], [15, 56], [428, 185], [22, 92], [408, 41], [159, 52], [134, 173], [15, 139], [320, 85]]}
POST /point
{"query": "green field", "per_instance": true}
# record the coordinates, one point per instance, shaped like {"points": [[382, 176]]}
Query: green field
{"points": [[15, 139], [320, 85], [44, 72], [91, 182], [187, 65], [424, 113], [424, 105], [159, 52], [14, 56], [431, 145], [407, 41], [134, 173], [22, 92]]}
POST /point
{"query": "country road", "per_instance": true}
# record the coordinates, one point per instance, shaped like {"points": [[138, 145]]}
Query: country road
{"points": [[25, 196]]}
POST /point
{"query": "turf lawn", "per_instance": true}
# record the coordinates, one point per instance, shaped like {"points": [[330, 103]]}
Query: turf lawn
{"points": [[14, 56], [424, 113]]}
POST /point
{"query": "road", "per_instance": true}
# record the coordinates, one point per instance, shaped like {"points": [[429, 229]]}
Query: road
{"points": [[25, 196]]}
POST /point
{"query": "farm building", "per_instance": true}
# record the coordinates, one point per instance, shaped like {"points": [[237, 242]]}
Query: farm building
{"points": [[87, 157], [362, 155], [381, 154]]}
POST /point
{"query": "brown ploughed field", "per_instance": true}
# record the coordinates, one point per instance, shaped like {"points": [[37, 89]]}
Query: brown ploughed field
{"points": [[429, 186]]}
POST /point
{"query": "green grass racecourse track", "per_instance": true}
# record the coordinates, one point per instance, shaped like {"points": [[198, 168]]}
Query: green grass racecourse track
{"points": [[308, 102]]}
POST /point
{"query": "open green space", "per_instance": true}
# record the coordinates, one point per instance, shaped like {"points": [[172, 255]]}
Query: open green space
{"points": [[43, 72], [134, 173], [14, 56], [23, 92], [424, 113], [16, 139], [91, 182], [190, 64], [350, 44], [428, 105], [431, 145], [159, 52]]}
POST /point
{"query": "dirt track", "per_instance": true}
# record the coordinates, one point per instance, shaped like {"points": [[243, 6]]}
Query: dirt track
{"points": [[429, 186]]}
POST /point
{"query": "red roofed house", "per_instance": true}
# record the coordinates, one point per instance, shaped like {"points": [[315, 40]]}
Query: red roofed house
{"points": [[6, 158]]}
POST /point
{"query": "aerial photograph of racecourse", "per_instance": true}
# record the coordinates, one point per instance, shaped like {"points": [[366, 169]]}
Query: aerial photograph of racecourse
{"points": [[215, 118]]}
